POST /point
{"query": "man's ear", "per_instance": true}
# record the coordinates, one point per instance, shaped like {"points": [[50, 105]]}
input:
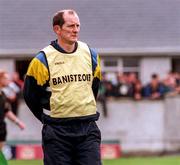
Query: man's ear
{"points": [[57, 29]]}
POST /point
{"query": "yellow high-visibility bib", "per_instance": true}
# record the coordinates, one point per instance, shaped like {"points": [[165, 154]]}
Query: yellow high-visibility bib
{"points": [[70, 82]]}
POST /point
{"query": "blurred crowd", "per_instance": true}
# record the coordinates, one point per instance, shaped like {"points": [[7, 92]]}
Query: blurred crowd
{"points": [[128, 85], [122, 85]]}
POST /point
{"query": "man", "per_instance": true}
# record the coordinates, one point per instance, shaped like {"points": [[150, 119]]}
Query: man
{"points": [[155, 89], [60, 89]]}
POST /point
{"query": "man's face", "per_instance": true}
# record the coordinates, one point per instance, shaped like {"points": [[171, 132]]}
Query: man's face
{"points": [[70, 29]]}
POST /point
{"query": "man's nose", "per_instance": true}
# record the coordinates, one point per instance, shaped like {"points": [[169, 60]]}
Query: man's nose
{"points": [[76, 29]]}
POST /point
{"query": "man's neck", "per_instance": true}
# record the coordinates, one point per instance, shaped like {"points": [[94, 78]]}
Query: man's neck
{"points": [[67, 47]]}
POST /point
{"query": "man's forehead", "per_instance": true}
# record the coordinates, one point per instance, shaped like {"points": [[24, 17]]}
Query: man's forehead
{"points": [[71, 19]]}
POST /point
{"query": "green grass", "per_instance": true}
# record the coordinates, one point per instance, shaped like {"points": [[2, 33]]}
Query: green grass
{"points": [[172, 160], [25, 162], [145, 161]]}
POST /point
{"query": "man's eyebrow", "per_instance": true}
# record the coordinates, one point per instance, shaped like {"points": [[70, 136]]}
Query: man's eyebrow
{"points": [[72, 24]]}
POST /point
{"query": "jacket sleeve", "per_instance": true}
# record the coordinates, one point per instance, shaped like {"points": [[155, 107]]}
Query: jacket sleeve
{"points": [[96, 71], [36, 77]]}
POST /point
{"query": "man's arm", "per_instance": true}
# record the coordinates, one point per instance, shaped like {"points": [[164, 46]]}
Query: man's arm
{"points": [[31, 96], [36, 77], [96, 72]]}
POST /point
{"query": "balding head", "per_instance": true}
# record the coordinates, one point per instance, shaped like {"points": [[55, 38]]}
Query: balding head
{"points": [[58, 18]]}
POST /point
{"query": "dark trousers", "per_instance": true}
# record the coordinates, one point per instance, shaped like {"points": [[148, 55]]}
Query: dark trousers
{"points": [[72, 144]]}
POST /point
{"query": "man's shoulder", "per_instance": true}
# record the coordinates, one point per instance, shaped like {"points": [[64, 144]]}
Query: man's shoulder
{"points": [[93, 51], [39, 58]]}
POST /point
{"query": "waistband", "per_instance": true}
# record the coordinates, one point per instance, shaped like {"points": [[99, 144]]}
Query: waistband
{"points": [[46, 119]]}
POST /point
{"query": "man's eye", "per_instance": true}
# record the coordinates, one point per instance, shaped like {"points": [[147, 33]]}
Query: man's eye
{"points": [[71, 26]]}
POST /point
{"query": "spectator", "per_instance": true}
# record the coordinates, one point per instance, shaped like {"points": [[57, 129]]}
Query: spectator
{"points": [[170, 84], [155, 89], [110, 89], [129, 86], [123, 88], [138, 90], [135, 86]]}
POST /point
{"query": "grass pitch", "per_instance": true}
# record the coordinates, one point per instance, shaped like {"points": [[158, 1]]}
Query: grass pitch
{"points": [[171, 160]]}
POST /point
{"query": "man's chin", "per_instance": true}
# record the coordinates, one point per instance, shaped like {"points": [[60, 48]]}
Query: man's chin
{"points": [[73, 41]]}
